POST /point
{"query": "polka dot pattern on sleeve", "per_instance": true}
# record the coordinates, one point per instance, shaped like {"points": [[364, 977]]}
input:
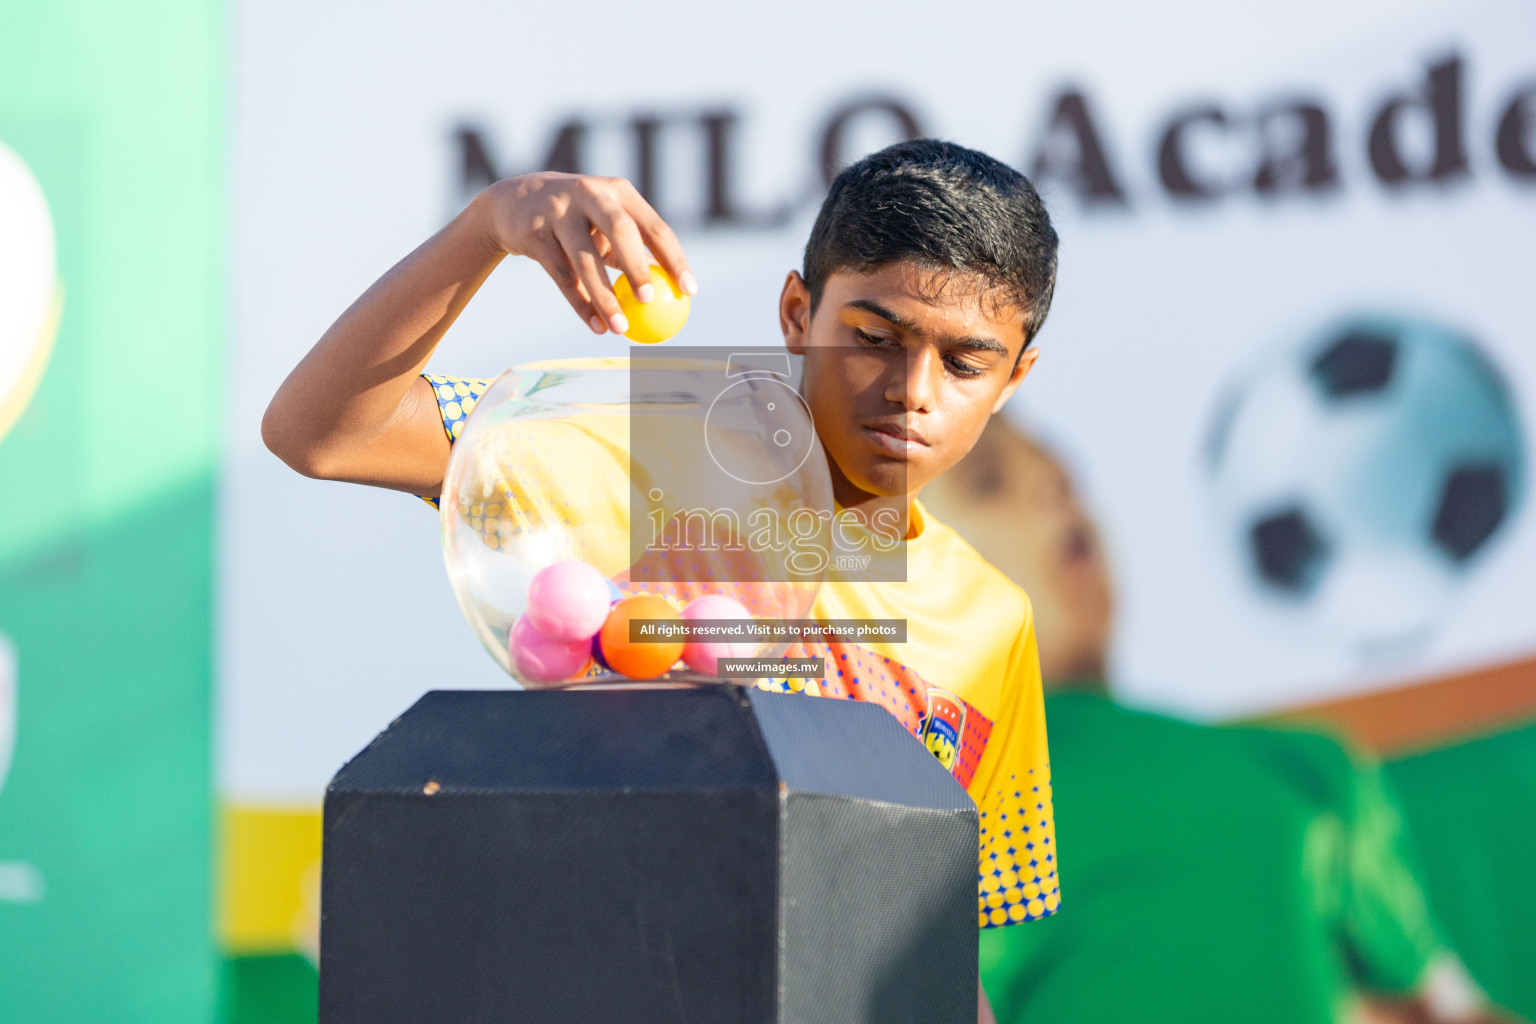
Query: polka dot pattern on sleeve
{"points": [[1018, 852], [456, 398]]}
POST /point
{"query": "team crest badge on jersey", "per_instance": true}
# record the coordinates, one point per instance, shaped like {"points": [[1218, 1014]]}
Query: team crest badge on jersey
{"points": [[943, 726]]}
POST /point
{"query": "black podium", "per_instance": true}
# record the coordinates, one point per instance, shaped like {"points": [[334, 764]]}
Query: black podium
{"points": [[710, 855]]}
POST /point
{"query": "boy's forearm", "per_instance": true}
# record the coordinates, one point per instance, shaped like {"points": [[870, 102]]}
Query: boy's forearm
{"points": [[355, 407]]}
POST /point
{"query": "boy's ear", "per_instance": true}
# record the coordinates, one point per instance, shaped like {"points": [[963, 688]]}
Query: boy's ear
{"points": [[1020, 371], [795, 312]]}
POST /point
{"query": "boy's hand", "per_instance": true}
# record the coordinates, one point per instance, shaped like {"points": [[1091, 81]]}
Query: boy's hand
{"points": [[355, 408], [573, 225]]}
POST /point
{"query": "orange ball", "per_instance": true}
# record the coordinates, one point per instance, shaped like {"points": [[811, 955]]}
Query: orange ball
{"points": [[639, 660]]}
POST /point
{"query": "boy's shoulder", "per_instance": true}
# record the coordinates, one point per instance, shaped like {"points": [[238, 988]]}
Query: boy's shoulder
{"points": [[950, 555], [968, 625]]}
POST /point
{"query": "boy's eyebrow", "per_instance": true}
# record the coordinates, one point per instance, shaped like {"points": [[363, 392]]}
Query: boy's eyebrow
{"points": [[984, 344], [871, 306], [906, 324]]}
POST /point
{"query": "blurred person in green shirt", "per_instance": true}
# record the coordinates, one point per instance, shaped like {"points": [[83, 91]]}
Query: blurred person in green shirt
{"points": [[1216, 874]]}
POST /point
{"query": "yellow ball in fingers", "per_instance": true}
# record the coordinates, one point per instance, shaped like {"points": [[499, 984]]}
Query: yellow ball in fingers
{"points": [[655, 321]]}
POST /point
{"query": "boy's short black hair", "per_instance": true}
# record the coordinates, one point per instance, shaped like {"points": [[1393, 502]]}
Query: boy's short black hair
{"points": [[944, 207]]}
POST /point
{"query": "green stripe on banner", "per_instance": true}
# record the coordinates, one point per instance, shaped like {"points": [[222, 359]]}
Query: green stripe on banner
{"points": [[270, 990], [107, 480]]}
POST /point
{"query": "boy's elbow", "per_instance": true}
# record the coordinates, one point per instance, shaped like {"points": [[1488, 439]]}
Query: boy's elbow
{"points": [[296, 452]]}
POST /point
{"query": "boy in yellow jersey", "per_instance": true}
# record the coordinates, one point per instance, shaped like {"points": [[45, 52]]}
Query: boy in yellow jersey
{"points": [[927, 276]]}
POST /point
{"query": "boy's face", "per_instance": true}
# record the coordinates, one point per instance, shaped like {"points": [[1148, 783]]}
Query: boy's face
{"points": [[903, 367]]}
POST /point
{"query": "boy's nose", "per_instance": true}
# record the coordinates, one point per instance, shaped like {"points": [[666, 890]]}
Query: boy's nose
{"points": [[915, 383]]}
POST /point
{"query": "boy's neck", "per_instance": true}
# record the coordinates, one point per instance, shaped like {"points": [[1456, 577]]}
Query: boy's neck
{"points": [[864, 505]]}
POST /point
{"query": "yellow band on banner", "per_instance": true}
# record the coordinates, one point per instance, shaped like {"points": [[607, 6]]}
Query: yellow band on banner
{"points": [[269, 898]]}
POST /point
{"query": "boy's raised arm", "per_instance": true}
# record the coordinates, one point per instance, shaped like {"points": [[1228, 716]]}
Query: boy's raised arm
{"points": [[356, 407]]}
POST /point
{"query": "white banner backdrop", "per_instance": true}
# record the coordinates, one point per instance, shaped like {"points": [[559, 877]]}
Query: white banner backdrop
{"points": [[1226, 184]]}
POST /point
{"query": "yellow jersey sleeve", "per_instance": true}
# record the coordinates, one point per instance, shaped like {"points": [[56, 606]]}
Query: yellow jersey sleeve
{"points": [[456, 399], [1012, 789]]}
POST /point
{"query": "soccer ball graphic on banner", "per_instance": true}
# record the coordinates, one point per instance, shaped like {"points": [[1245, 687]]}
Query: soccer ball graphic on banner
{"points": [[585, 494], [1362, 472]]}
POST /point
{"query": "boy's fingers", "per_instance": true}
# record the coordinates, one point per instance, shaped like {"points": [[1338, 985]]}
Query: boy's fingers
{"points": [[633, 258], [604, 248], [588, 264], [628, 251], [552, 258], [663, 243]]}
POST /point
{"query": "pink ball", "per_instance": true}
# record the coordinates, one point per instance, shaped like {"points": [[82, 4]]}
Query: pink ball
{"points": [[537, 658], [568, 600], [702, 655]]}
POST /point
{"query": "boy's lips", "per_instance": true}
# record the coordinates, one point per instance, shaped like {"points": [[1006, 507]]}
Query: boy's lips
{"points": [[895, 438]]}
